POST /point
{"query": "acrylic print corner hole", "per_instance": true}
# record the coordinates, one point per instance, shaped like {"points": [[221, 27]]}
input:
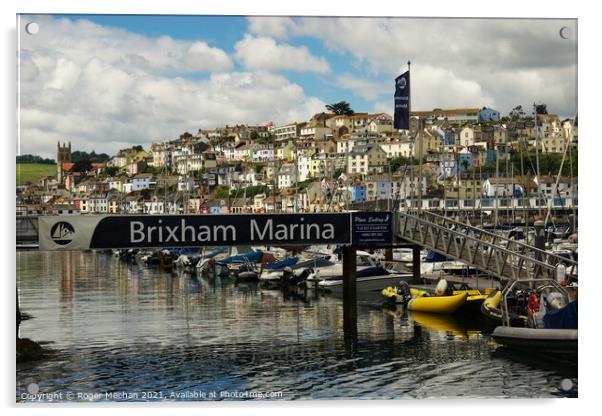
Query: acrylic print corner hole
{"points": [[32, 28]]}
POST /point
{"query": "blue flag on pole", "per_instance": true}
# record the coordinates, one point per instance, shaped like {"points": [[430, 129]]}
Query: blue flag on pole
{"points": [[401, 119]]}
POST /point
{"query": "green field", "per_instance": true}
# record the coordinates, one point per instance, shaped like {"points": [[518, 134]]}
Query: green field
{"points": [[31, 172]]}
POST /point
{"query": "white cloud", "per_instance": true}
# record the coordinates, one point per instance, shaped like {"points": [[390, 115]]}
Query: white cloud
{"points": [[202, 57], [526, 56], [263, 53], [278, 27], [104, 88], [366, 88], [446, 89], [383, 107], [79, 40]]}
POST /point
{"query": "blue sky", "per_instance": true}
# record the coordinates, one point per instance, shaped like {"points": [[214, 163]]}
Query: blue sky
{"points": [[224, 32], [109, 81]]}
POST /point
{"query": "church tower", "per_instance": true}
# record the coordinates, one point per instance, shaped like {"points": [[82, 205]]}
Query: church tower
{"points": [[63, 155]]}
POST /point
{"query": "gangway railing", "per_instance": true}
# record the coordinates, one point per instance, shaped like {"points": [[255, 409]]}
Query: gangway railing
{"points": [[491, 253]]}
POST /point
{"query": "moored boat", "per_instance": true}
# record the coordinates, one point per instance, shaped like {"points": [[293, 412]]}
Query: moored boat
{"points": [[551, 324], [474, 300], [365, 284], [562, 341], [437, 304], [491, 309]]}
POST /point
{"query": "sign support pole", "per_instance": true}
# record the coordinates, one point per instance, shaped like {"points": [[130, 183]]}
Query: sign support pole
{"points": [[416, 264], [349, 297]]}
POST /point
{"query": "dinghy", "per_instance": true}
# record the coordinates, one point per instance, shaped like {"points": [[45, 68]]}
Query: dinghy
{"points": [[437, 304]]}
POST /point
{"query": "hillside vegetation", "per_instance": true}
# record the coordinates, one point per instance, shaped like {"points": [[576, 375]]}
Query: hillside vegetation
{"points": [[32, 172]]}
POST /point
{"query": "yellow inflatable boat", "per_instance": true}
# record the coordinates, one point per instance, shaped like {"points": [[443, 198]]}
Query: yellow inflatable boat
{"points": [[437, 304], [474, 300], [392, 294]]}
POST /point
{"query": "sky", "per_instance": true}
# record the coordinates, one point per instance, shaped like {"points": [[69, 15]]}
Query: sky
{"points": [[105, 82]]}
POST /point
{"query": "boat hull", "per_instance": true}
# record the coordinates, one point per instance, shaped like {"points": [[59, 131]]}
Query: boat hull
{"points": [[365, 286], [561, 341], [437, 304]]}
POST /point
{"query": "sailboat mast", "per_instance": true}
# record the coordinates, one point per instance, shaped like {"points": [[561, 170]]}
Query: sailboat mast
{"points": [[525, 186], [537, 153], [295, 204], [497, 178], [573, 192]]}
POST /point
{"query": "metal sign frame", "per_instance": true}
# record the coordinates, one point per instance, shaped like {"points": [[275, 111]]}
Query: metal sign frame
{"points": [[139, 231]]}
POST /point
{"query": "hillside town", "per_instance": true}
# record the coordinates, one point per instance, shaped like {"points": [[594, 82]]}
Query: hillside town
{"points": [[449, 159]]}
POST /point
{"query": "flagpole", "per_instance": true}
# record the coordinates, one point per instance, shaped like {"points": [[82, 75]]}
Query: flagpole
{"points": [[412, 183], [409, 97]]}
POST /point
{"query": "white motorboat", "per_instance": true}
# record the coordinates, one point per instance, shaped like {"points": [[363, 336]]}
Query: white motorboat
{"points": [[368, 282]]}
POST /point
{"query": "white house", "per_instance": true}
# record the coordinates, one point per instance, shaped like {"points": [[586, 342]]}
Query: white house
{"points": [[116, 183], [287, 176], [366, 158], [285, 132], [567, 187], [466, 137], [404, 188], [154, 206], [314, 132], [243, 152], [397, 148], [503, 187], [304, 166]]}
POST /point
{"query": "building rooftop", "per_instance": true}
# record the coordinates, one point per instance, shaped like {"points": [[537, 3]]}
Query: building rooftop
{"points": [[442, 112]]}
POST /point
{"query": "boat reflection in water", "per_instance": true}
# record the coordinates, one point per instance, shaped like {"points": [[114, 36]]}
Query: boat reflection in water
{"points": [[116, 326]]}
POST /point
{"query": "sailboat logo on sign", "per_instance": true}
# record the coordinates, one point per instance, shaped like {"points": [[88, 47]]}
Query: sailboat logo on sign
{"points": [[62, 232]]}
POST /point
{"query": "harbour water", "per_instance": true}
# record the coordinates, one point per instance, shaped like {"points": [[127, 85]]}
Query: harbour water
{"points": [[126, 332]]}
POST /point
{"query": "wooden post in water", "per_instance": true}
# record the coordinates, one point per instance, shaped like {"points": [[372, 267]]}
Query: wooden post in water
{"points": [[389, 254], [349, 297], [18, 313], [416, 264]]}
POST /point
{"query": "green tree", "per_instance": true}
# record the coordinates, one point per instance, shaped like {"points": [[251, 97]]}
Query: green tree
{"points": [[153, 169], [111, 171], [185, 136], [540, 108], [254, 135], [397, 162], [93, 157], [342, 107], [222, 192], [517, 113], [250, 191], [34, 159], [214, 142]]}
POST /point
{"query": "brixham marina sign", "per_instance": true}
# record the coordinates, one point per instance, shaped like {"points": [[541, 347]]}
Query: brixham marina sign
{"points": [[131, 231]]}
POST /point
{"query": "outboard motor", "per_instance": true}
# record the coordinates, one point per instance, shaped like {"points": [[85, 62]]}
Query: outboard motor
{"points": [[287, 276], [554, 301], [403, 290]]}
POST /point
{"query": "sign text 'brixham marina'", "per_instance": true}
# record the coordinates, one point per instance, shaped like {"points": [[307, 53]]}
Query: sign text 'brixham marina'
{"points": [[124, 231], [269, 231]]}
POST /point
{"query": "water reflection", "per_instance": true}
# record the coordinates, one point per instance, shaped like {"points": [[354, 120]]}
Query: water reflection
{"points": [[120, 327]]}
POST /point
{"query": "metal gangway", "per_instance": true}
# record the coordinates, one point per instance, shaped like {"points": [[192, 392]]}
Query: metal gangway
{"points": [[494, 254]]}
